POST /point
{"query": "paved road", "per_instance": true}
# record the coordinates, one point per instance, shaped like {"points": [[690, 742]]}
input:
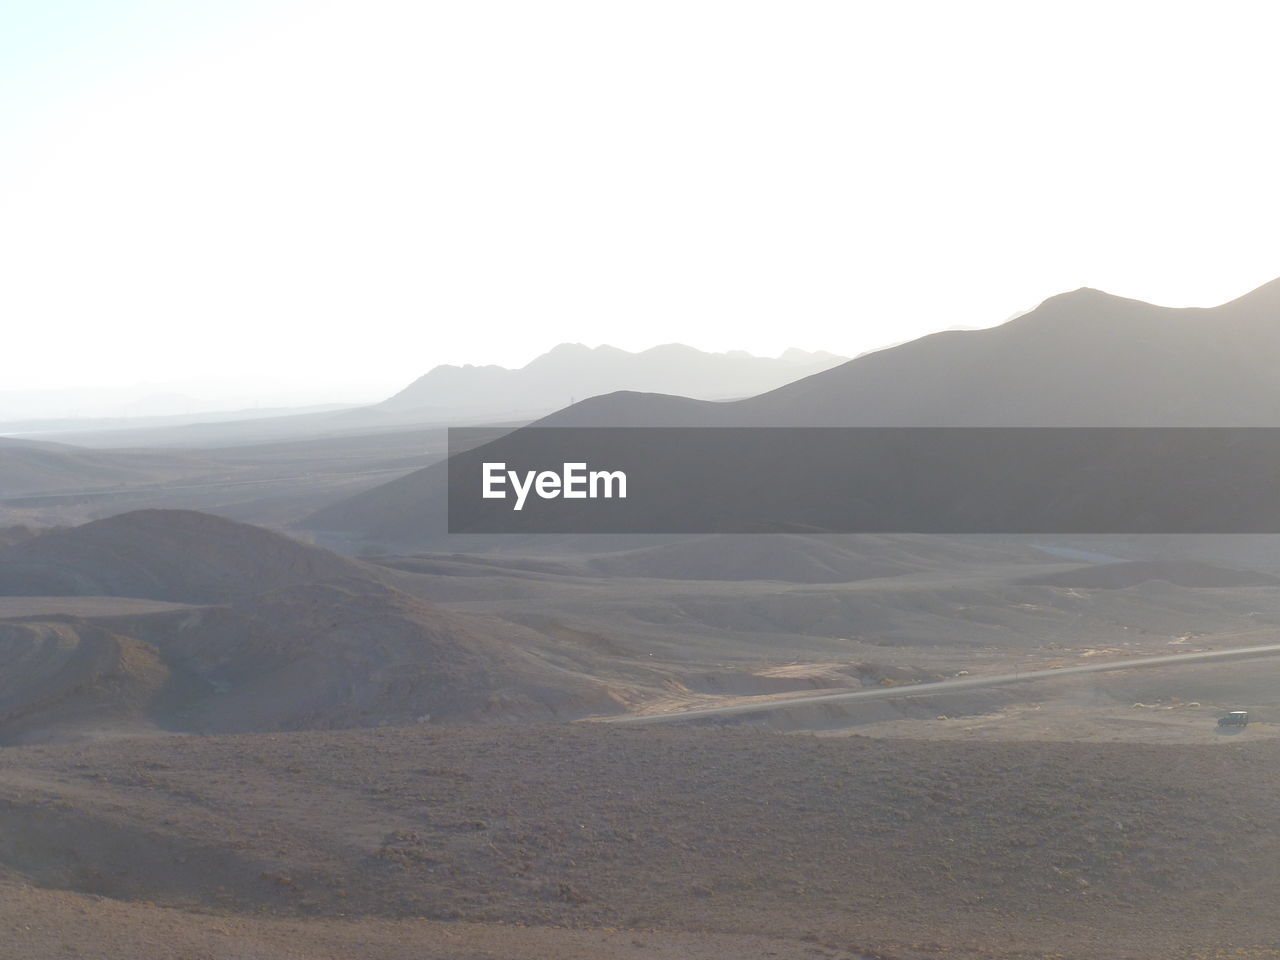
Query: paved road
{"points": [[948, 686]]}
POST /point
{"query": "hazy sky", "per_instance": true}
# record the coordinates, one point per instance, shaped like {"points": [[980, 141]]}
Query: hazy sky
{"points": [[332, 197]]}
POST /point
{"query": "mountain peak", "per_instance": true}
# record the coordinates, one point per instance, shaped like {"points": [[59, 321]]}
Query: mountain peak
{"points": [[1082, 306], [567, 349], [1081, 296]]}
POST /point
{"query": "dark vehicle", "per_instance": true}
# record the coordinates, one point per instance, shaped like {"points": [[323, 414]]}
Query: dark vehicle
{"points": [[1236, 718]]}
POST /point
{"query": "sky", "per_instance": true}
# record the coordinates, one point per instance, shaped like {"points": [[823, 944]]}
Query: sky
{"points": [[318, 201]]}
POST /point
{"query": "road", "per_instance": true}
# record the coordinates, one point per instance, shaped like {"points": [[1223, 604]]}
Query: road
{"points": [[946, 686]]}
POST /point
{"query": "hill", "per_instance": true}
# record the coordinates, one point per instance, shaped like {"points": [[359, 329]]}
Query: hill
{"points": [[571, 370], [352, 654], [323, 655], [177, 555]]}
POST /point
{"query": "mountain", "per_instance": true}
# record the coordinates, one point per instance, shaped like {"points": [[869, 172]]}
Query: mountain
{"points": [[1084, 358], [572, 370]]}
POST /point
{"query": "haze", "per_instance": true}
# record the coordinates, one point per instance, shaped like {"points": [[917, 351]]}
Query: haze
{"points": [[335, 197]]}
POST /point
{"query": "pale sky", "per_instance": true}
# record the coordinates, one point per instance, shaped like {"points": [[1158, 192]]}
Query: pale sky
{"points": [[329, 198]]}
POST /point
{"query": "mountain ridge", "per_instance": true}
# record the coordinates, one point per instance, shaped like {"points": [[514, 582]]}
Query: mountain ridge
{"points": [[574, 370], [1083, 358], [1080, 358]]}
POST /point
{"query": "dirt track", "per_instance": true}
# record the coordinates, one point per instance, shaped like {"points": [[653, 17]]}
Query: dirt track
{"points": [[760, 705]]}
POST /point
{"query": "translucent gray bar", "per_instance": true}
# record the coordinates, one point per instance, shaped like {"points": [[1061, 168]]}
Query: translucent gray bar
{"points": [[862, 480]]}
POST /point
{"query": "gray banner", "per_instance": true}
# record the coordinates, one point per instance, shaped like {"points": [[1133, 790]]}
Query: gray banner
{"points": [[860, 480]]}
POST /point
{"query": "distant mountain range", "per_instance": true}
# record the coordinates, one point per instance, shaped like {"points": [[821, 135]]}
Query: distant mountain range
{"points": [[573, 372], [453, 395], [1084, 358]]}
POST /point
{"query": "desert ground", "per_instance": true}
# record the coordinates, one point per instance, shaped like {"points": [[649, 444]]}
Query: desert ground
{"points": [[226, 732], [594, 838], [220, 741]]}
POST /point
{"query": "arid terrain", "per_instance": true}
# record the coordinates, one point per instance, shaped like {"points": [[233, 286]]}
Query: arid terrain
{"points": [[456, 836], [222, 742], [639, 481], [256, 703]]}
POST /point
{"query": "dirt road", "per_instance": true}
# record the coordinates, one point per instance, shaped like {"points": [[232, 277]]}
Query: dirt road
{"points": [[943, 686]]}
